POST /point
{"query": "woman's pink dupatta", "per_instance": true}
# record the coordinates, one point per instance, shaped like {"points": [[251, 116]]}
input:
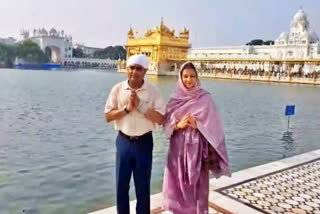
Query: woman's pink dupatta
{"points": [[201, 106]]}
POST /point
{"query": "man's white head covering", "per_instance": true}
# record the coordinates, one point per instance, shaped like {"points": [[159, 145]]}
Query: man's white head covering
{"points": [[138, 59]]}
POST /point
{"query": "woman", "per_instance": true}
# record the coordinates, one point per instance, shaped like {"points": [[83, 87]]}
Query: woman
{"points": [[196, 146]]}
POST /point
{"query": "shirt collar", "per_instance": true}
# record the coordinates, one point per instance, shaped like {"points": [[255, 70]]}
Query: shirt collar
{"points": [[143, 87]]}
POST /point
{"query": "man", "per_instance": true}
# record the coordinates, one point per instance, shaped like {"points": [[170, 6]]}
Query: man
{"points": [[136, 107]]}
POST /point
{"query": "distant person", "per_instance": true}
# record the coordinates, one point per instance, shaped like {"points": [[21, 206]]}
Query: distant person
{"points": [[136, 107], [197, 145]]}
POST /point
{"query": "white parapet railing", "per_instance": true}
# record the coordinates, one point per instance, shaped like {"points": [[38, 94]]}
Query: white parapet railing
{"points": [[224, 75], [91, 63], [283, 79]]}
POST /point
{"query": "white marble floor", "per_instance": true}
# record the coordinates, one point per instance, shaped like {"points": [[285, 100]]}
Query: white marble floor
{"points": [[293, 190]]}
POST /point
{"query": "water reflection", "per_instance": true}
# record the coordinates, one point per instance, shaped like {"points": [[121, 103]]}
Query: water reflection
{"points": [[287, 137], [288, 144]]}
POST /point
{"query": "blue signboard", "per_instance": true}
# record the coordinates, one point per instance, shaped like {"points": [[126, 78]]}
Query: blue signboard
{"points": [[290, 110]]}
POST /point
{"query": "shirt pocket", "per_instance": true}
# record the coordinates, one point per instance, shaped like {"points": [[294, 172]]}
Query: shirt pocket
{"points": [[146, 98]]}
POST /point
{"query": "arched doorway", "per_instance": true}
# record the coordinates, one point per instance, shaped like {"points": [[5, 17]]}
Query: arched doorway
{"points": [[54, 54], [47, 52]]}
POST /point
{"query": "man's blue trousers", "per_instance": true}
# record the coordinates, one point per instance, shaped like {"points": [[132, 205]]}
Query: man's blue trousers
{"points": [[134, 156]]}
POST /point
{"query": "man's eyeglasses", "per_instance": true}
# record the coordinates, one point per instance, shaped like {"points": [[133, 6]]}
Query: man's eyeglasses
{"points": [[137, 68]]}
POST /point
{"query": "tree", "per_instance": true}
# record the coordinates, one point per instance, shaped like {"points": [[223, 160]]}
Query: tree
{"points": [[121, 52], [78, 53], [117, 52], [260, 42], [31, 52], [7, 55], [255, 42], [268, 42]]}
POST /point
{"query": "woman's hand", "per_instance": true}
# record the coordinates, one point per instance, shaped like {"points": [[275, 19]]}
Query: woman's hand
{"points": [[192, 122], [187, 120], [183, 123]]}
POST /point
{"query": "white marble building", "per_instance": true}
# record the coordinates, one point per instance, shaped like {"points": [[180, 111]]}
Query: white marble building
{"points": [[58, 42], [61, 47], [298, 50], [88, 51]]}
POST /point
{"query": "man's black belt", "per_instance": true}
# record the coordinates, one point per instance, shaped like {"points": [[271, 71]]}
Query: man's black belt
{"points": [[136, 138]]}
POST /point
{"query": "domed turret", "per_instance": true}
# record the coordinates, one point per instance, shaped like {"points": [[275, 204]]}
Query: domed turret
{"points": [[53, 32], [163, 29], [184, 33], [130, 33], [44, 32], [300, 18], [283, 36], [282, 39], [313, 37]]}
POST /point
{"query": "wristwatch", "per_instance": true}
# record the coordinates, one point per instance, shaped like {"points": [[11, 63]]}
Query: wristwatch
{"points": [[126, 110]]}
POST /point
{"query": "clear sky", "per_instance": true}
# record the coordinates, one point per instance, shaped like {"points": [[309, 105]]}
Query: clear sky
{"points": [[100, 23]]}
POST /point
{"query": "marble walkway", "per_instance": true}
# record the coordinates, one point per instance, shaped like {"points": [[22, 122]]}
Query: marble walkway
{"points": [[290, 185]]}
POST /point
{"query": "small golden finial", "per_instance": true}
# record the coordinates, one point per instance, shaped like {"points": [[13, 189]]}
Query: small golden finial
{"points": [[130, 32]]}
